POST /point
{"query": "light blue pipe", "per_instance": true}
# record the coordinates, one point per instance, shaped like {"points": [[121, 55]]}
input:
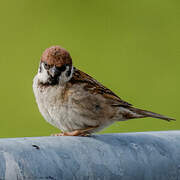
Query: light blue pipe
{"points": [[129, 156]]}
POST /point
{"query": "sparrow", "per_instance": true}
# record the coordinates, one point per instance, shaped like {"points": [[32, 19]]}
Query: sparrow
{"points": [[76, 103]]}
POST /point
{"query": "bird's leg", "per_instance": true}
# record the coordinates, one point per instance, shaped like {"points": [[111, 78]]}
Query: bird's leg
{"points": [[80, 132]]}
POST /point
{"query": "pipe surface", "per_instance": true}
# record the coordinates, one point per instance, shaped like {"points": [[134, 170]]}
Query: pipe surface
{"points": [[125, 156]]}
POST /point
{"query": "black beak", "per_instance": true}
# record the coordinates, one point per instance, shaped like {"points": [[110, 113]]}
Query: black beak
{"points": [[54, 71]]}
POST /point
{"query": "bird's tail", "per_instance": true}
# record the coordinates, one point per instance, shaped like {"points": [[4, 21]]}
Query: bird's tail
{"points": [[143, 113]]}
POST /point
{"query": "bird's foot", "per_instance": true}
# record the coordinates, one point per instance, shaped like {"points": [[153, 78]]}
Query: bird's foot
{"points": [[58, 134], [73, 133], [81, 132]]}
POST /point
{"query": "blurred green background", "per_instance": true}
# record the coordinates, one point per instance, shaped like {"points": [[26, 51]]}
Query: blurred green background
{"points": [[132, 47]]}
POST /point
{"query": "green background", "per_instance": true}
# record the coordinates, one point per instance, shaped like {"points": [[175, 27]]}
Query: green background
{"points": [[132, 47]]}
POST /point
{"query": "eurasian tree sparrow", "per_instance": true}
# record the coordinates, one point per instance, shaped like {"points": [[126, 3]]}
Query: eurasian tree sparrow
{"points": [[76, 103]]}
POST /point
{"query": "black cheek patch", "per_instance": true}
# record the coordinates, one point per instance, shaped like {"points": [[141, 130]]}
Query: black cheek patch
{"points": [[40, 67], [68, 73]]}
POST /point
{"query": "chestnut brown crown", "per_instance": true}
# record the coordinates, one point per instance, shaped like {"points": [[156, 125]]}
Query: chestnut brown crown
{"points": [[57, 56]]}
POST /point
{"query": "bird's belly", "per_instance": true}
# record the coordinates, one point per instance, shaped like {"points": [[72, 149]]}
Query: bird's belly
{"points": [[62, 117], [67, 118]]}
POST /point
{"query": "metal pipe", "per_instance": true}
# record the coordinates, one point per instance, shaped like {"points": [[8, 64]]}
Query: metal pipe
{"points": [[126, 156]]}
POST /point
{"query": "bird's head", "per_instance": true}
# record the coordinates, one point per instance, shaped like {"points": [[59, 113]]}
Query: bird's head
{"points": [[55, 66]]}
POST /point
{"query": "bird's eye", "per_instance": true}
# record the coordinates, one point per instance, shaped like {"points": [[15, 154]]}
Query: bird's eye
{"points": [[46, 66]]}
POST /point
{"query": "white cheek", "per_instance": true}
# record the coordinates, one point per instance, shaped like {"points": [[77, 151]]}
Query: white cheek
{"points": [[43, 75]]}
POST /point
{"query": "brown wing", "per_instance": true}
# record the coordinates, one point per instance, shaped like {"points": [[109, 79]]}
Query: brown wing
{"points": [[96, 88]]}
